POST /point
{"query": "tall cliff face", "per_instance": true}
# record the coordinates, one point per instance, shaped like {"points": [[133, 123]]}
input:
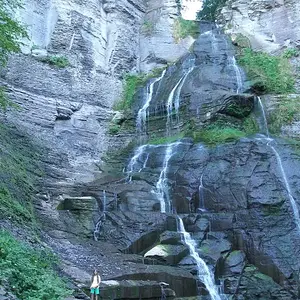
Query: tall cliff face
{"points": [[267, 24], [69, 109]]}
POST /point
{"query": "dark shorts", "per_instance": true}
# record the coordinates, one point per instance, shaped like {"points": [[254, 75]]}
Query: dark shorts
{"points": [[95, 291]]}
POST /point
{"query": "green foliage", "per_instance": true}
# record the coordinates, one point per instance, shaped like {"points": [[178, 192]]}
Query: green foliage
{"points": [[148, 28], [166, 139], [291, 52], [213, 135], [29, 273], [114, 129], [13, 209], [284, 114], [210, 9], [272, 73], [18, 173], [130, 85], [183, 28], [58, 61], [5, 103], [250, 126], [11, 31]]}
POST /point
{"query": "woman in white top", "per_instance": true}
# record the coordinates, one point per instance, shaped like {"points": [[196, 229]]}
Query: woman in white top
{"points": [[95, 283]]}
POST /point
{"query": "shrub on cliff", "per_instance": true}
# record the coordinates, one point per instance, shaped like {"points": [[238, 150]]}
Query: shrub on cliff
{"points": [[183, 28], [272, 74]]}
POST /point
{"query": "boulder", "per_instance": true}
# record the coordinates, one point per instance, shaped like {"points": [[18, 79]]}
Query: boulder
{"points": [[169, 254]]}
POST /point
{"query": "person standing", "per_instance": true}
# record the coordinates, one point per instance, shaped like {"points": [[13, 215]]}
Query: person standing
{"points": [[95, 283]]}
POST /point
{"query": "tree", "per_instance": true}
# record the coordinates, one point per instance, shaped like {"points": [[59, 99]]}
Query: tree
{"points": [[210, 9], [11, 33]]}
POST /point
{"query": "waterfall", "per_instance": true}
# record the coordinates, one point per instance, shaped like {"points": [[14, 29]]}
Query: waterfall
{"points": [[162, 187], [279, 162], [141, 121], [170, 104], [204, 274], [238, 75], [133, 161], [264, 124], [174, 97]]}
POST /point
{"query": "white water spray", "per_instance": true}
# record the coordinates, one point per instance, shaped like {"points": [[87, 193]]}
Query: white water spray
{"points": [[204, 274], [141, 121]]}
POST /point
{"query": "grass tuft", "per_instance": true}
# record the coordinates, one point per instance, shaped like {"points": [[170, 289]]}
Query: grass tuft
{"points": [[58, 61]]}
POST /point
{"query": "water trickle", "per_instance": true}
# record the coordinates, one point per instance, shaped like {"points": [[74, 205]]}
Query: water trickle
{"points": [[214, 43], [98, 225], [287, 186], [162, 187], [221, 288], [163, 285], [104, 201], [201, 195], [238, 75], [141, 122], [204, 274], [72, 41]]}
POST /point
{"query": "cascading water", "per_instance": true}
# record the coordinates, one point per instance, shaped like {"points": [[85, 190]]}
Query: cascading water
{"points": [[238, 75], [279, 161], [162, 187], [174, 97], [204, 274], [138, 153], [141, 122]]}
